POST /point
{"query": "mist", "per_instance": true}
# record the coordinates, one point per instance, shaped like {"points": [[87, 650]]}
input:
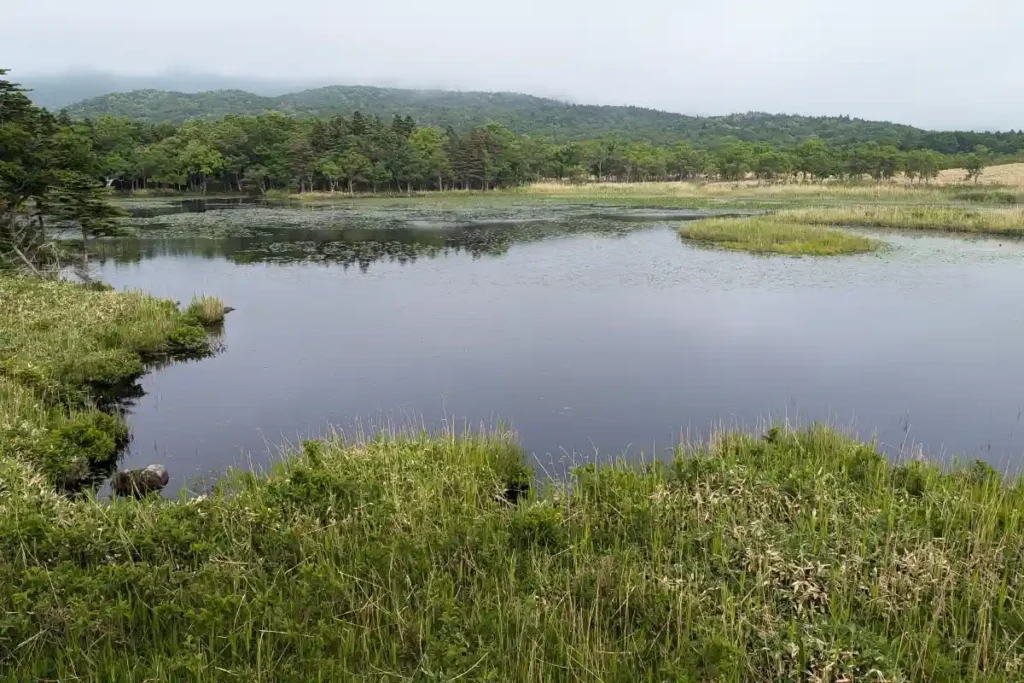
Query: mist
{"points": [[934, 64]]}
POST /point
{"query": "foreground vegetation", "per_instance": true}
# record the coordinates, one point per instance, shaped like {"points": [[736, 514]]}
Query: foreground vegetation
{"points": [[799, 556], [64, 348], [771, 235]]}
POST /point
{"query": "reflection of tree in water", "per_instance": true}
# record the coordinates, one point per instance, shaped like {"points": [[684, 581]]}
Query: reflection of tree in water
{"points": [[362, 247]]}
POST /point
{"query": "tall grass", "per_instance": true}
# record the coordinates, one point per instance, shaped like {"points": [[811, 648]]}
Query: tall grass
{"points": [[799, 556], [766, 194], [944, 218], [769, 235], [757, 190], [208, 310]]}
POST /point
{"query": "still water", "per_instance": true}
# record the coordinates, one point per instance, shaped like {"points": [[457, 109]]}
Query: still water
{"points": [[589, 334]]}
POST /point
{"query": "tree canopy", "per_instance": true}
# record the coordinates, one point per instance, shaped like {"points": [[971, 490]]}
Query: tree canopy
{"points": [[549, 119]]}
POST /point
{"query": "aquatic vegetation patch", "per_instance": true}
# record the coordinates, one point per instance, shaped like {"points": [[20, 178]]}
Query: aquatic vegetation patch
{"points": [[208, 310], [771, 235]]}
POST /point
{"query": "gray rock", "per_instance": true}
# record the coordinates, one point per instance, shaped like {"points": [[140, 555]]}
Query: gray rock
{"points": [[140, 482]]}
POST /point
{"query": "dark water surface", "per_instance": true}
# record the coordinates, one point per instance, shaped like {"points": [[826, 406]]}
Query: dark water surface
{"points": [[587, 335]]}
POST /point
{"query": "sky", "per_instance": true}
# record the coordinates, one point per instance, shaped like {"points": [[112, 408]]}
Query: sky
{"points": [[931, 63]]}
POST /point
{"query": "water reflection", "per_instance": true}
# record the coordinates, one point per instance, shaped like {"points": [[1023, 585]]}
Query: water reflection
{"points": [[170, 206], [358, 246]]}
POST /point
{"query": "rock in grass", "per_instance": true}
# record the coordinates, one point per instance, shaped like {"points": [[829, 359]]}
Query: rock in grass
{"points": [[140, 483], [514, 492]]}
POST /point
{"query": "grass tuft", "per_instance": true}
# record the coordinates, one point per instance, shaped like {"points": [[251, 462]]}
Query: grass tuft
{"points": [[770, 235], [208, 310]]}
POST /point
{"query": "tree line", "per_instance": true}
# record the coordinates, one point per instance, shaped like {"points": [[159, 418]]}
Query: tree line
{"points": [[370, 154], [552, 120]]}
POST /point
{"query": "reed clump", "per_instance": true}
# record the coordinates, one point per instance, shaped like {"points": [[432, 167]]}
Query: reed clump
{"points": [[208, 310]]}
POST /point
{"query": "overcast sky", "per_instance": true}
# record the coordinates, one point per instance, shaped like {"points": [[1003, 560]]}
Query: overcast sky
{"points": [[932, 63]]}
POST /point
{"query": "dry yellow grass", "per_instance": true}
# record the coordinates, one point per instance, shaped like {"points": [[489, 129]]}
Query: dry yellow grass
{"points": [[748, 189], [1011, 175]]}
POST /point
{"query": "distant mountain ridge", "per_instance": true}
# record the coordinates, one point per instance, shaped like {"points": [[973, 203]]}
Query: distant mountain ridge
{"points": [[527, 114]]}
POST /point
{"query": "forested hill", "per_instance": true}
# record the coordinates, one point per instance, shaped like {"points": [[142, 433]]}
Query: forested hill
{"points": [[526, 114]]}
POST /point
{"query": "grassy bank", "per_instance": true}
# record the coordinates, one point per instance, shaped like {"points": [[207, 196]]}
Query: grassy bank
{"points": [[63, 348], [798, 556], [948, 219], [771, 235]]}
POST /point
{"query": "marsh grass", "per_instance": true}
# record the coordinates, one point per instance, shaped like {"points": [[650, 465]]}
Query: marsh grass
{"points": [[795, 556], [208, 310], [941, 218], [63, 347], [763, 193], [770, 235]]}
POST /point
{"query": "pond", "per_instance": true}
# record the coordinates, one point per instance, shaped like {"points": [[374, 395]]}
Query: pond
{"points": [[591, 332]]}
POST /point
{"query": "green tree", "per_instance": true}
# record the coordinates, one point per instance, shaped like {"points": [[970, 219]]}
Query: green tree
{"points": [[331, 168], [685, 162], [429, 160], [565, 157], [890, 163], [78, 199], [199, 161], [46, 165], [770, 163], [816, 159], [923, 164], [976, 162], [354, 168], [735, 160], [378, 174]]}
